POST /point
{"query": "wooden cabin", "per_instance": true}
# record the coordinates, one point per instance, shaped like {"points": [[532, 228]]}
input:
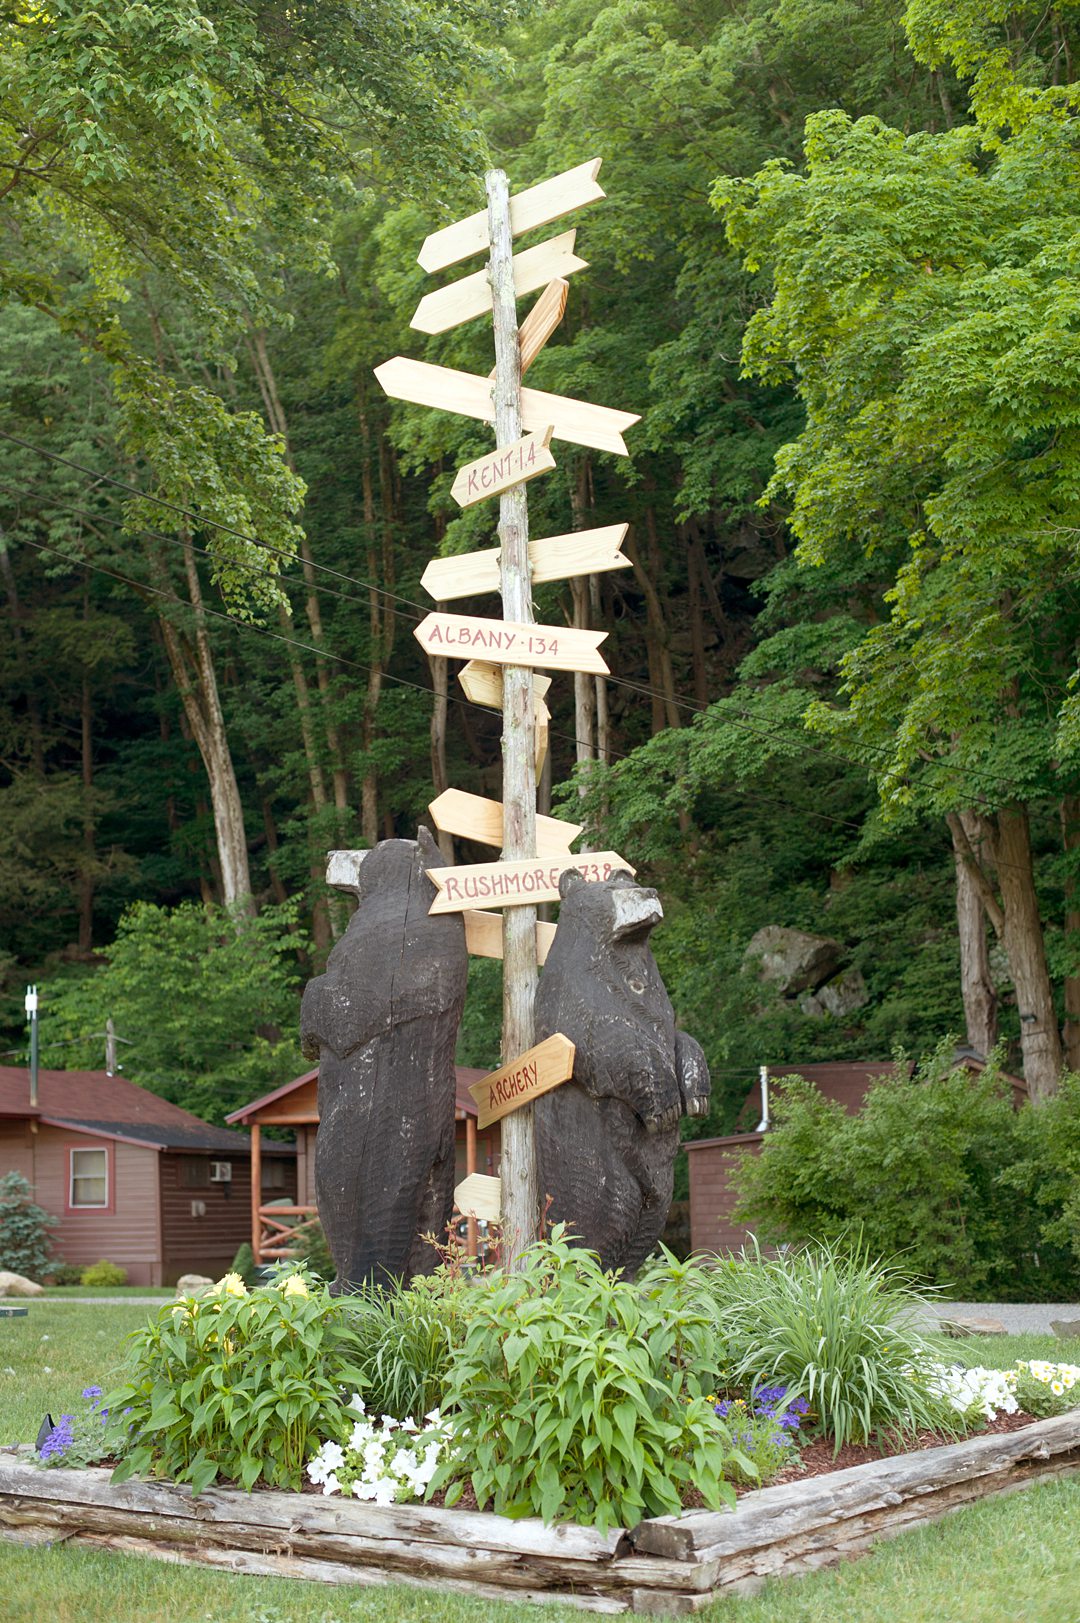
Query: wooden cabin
{"points": [[713, 1161], [274, 1224], [132, 1178]]}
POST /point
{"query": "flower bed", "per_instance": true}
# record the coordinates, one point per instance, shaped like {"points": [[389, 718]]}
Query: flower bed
{"points": [[671, 1564]]}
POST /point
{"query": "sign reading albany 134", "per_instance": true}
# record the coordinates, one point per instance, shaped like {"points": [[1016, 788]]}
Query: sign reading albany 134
{"points": [[557, 648]]}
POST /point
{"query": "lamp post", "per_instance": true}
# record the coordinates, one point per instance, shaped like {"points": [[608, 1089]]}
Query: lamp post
{"points": [[32, 1016]]}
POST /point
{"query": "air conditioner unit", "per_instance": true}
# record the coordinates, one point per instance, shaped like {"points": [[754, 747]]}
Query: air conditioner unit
{"points": [[221, 1172]]}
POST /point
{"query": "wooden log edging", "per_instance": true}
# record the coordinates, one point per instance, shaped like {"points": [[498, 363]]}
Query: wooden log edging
{"points": [[670, 1564]]}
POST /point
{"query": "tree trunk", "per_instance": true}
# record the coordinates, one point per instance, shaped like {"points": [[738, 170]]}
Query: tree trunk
{"points": [[697, 625], [89, 858], [584, 685], [1040, 1040], [192, 664], [440, 687], [976, 981], [1070, 839], [656, 629], [33, 710], [379, 563]]}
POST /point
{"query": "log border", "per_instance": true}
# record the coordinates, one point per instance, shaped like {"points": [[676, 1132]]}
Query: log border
{"points": [[666, 1565]]}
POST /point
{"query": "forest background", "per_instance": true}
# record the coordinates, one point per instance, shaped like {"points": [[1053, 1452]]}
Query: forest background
{"points": [[843, 661]]}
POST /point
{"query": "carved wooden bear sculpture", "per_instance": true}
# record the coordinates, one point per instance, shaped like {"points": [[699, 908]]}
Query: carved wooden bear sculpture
{"points": [[383, 1022], [606, 1140]]}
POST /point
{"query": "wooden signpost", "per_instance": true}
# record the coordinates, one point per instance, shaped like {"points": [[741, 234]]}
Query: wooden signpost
{"points": [[490, 475], [502, 654], [555, 557], [556, 648], [536, 1071], [515, 884], [471, 817], [479, 1196]]}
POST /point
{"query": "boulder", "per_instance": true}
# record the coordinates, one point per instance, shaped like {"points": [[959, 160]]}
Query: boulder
{"points": [[966, 1325], [839, 997], [193, 1285], [17, 1285], [1065, 1327], [793, 960]]}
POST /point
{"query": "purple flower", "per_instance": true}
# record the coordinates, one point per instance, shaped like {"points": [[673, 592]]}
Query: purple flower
{"points": [[91, 1392], [60, 1438]]}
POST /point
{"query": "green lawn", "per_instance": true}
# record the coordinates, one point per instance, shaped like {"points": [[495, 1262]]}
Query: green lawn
{"points": [[1010, 1560], [61, 1293]]}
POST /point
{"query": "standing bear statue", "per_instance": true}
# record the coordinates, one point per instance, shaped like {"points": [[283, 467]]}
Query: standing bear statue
{"points": [[382, 1023], [606, 1140]]}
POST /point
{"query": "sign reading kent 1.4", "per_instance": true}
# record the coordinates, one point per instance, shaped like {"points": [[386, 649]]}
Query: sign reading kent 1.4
{"points": [[489, 645]]}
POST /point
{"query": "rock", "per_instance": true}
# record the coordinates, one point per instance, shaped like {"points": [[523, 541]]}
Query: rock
{"points": [[17, 1285], [1065, 1327], [966, 1325], [193, 1285], [793, 960], [839, 997]]}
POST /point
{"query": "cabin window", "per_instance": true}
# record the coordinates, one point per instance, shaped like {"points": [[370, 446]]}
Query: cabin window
{"points": [[273, 1175], [195, 1172], [89, 1178]]}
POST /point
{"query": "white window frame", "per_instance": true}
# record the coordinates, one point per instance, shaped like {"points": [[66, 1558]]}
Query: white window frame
{"points": [[87, 1205]]}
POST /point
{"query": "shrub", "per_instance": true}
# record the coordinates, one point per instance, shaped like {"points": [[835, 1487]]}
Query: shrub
{"points": [[578, 1394], [838, 1330], [104, 1273], [921, 1170], [1048, 1173], [244, 1264], [24, 1229], [311, 1251], [65, 1273], [236, 1384], [405, 1340]]}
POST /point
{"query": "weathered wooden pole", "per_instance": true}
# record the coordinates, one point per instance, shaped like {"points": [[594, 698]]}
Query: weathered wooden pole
{"points": [[520, 1191]]}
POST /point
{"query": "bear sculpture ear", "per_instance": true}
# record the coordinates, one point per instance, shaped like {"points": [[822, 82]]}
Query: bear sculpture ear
{"points": [[570, 880], [429, 850]]}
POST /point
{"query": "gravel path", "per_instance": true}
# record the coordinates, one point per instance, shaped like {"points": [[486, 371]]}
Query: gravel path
{"points": [[1019, 1318]]}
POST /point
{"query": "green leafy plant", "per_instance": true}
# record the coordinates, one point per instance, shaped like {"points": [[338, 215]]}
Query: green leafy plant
{"points": [[65, 1273], [577, 1393], [311, 1250], [405, 1341], [839, 1329], [244, 1264], [236, 1384], [104, 1273], [79, 1439], [24, 1229]]}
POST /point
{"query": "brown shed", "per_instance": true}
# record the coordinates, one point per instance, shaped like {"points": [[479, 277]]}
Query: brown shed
{"points": [[273, 1224], [713, 1160], [131, 1177]]}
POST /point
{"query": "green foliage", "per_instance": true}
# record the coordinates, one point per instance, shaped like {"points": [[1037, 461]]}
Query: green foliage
{"points": [[244, 1264], [406, 1340], [65, 1273], [235, 1385], [104, 1273], [933, 1168], [24, 1229], [578, 1394], [204, 1003], [1047, 1172], [836, 1327], [310, 1250]]}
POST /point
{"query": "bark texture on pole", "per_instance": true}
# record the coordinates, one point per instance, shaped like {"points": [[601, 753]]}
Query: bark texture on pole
{"points": [[520, 1190]]}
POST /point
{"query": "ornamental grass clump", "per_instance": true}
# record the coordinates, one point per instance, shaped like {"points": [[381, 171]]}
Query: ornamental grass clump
{"points": [[236, 1384], [404, 1339], [577, 1394], [839, 1329]]}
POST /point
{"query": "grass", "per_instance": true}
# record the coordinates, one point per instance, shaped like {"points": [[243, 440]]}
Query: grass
{"points": [[1010, 1560], [62, 1293]]}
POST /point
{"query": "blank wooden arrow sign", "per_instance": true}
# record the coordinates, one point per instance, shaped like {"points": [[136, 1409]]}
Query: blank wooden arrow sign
{"points": [[515, 884], [541, 322], [556, 557], [471, 296], [482, 683], [471, 817], [533, 1073], [538, 205], [484, 935], [554, 648], [479, 1196], [598, 427], [497, 471]]}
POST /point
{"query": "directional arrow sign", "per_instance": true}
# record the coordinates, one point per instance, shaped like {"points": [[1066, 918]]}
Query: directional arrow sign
{"points": [[541, 322], [471, 817], [471, 296], [539, 205], [479, 1196], [556, 557], [514, 465], [484, 935], [598, 427], [483, 684], [554, 648], [536, 1071], [515, 884]]}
